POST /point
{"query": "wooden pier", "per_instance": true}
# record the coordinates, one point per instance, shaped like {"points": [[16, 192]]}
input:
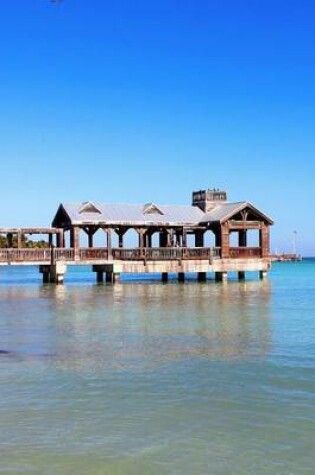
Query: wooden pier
{"points": [[172, 225]]}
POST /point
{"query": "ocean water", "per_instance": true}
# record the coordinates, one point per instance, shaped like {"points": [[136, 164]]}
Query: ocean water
{"points": [[150, 378]]}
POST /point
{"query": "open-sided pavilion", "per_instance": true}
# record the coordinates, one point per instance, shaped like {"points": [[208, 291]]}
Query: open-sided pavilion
{"points": [[170, 238]]}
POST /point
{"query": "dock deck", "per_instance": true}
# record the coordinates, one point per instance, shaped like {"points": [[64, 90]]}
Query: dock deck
{"points": [[53, 262]]}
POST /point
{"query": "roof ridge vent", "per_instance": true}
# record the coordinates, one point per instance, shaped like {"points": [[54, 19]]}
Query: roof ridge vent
{"points": [[89, 207]]}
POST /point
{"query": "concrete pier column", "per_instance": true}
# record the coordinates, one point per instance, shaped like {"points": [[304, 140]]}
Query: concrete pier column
{"points": [[221, 276], [181, 276], [262, 274], [53, 273], [164, 276], [202, 276], [57, 272], [241, 275], [46, 277], [99, 277], [99, 270], [109, 276]]}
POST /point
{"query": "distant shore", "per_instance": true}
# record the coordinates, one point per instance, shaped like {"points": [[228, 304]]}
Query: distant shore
{"points": [[286, 257]]}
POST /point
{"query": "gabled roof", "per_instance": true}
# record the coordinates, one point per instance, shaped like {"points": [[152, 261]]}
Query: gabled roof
{"points": [[227, 210], [134, 214], [148, 214]]}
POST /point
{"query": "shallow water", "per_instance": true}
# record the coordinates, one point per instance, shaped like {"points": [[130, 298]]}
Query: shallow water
{"points": [[147, 378]]}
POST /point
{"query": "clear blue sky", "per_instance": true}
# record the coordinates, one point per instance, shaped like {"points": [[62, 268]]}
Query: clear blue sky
{"points": [[137, 101]]}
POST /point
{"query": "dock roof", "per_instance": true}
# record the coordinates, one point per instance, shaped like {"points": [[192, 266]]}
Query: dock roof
{"points": [[132, 214], [226, 211], [147, 214]]}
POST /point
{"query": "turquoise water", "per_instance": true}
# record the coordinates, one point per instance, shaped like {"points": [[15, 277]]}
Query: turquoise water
{"points": [[145, 378]]}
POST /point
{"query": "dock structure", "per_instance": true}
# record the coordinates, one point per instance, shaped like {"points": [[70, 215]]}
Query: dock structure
{"points": [[210, 235]]}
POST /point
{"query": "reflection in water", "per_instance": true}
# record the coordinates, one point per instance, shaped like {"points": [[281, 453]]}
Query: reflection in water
{"points": [[132, 326], [145, 378]]}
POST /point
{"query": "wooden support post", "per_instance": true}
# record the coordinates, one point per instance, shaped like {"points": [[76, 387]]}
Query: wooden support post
{"points": [[162, 241], [141, 237], [90, 238], [181, 276], [199, 238], [164, 238], [60, 239], [264, 241], [120, 239], [109, 242], [168, 237], [184, 238], [164, 277], [10, 240], [19, 240], [75, 241], [242, 238], [178, 238], [218, 240], [148, 239], [202, 276], [225, 241]]}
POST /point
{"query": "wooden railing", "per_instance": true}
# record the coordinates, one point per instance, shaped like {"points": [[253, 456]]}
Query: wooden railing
{"points": [[128, 254], [166, 253], [47, 255], [61, 254], [244, 252], [93, 253], [25, 255]]}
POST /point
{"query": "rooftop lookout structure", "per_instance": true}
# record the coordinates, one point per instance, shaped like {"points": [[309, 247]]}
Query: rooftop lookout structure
{"points": [[210, 235]]}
